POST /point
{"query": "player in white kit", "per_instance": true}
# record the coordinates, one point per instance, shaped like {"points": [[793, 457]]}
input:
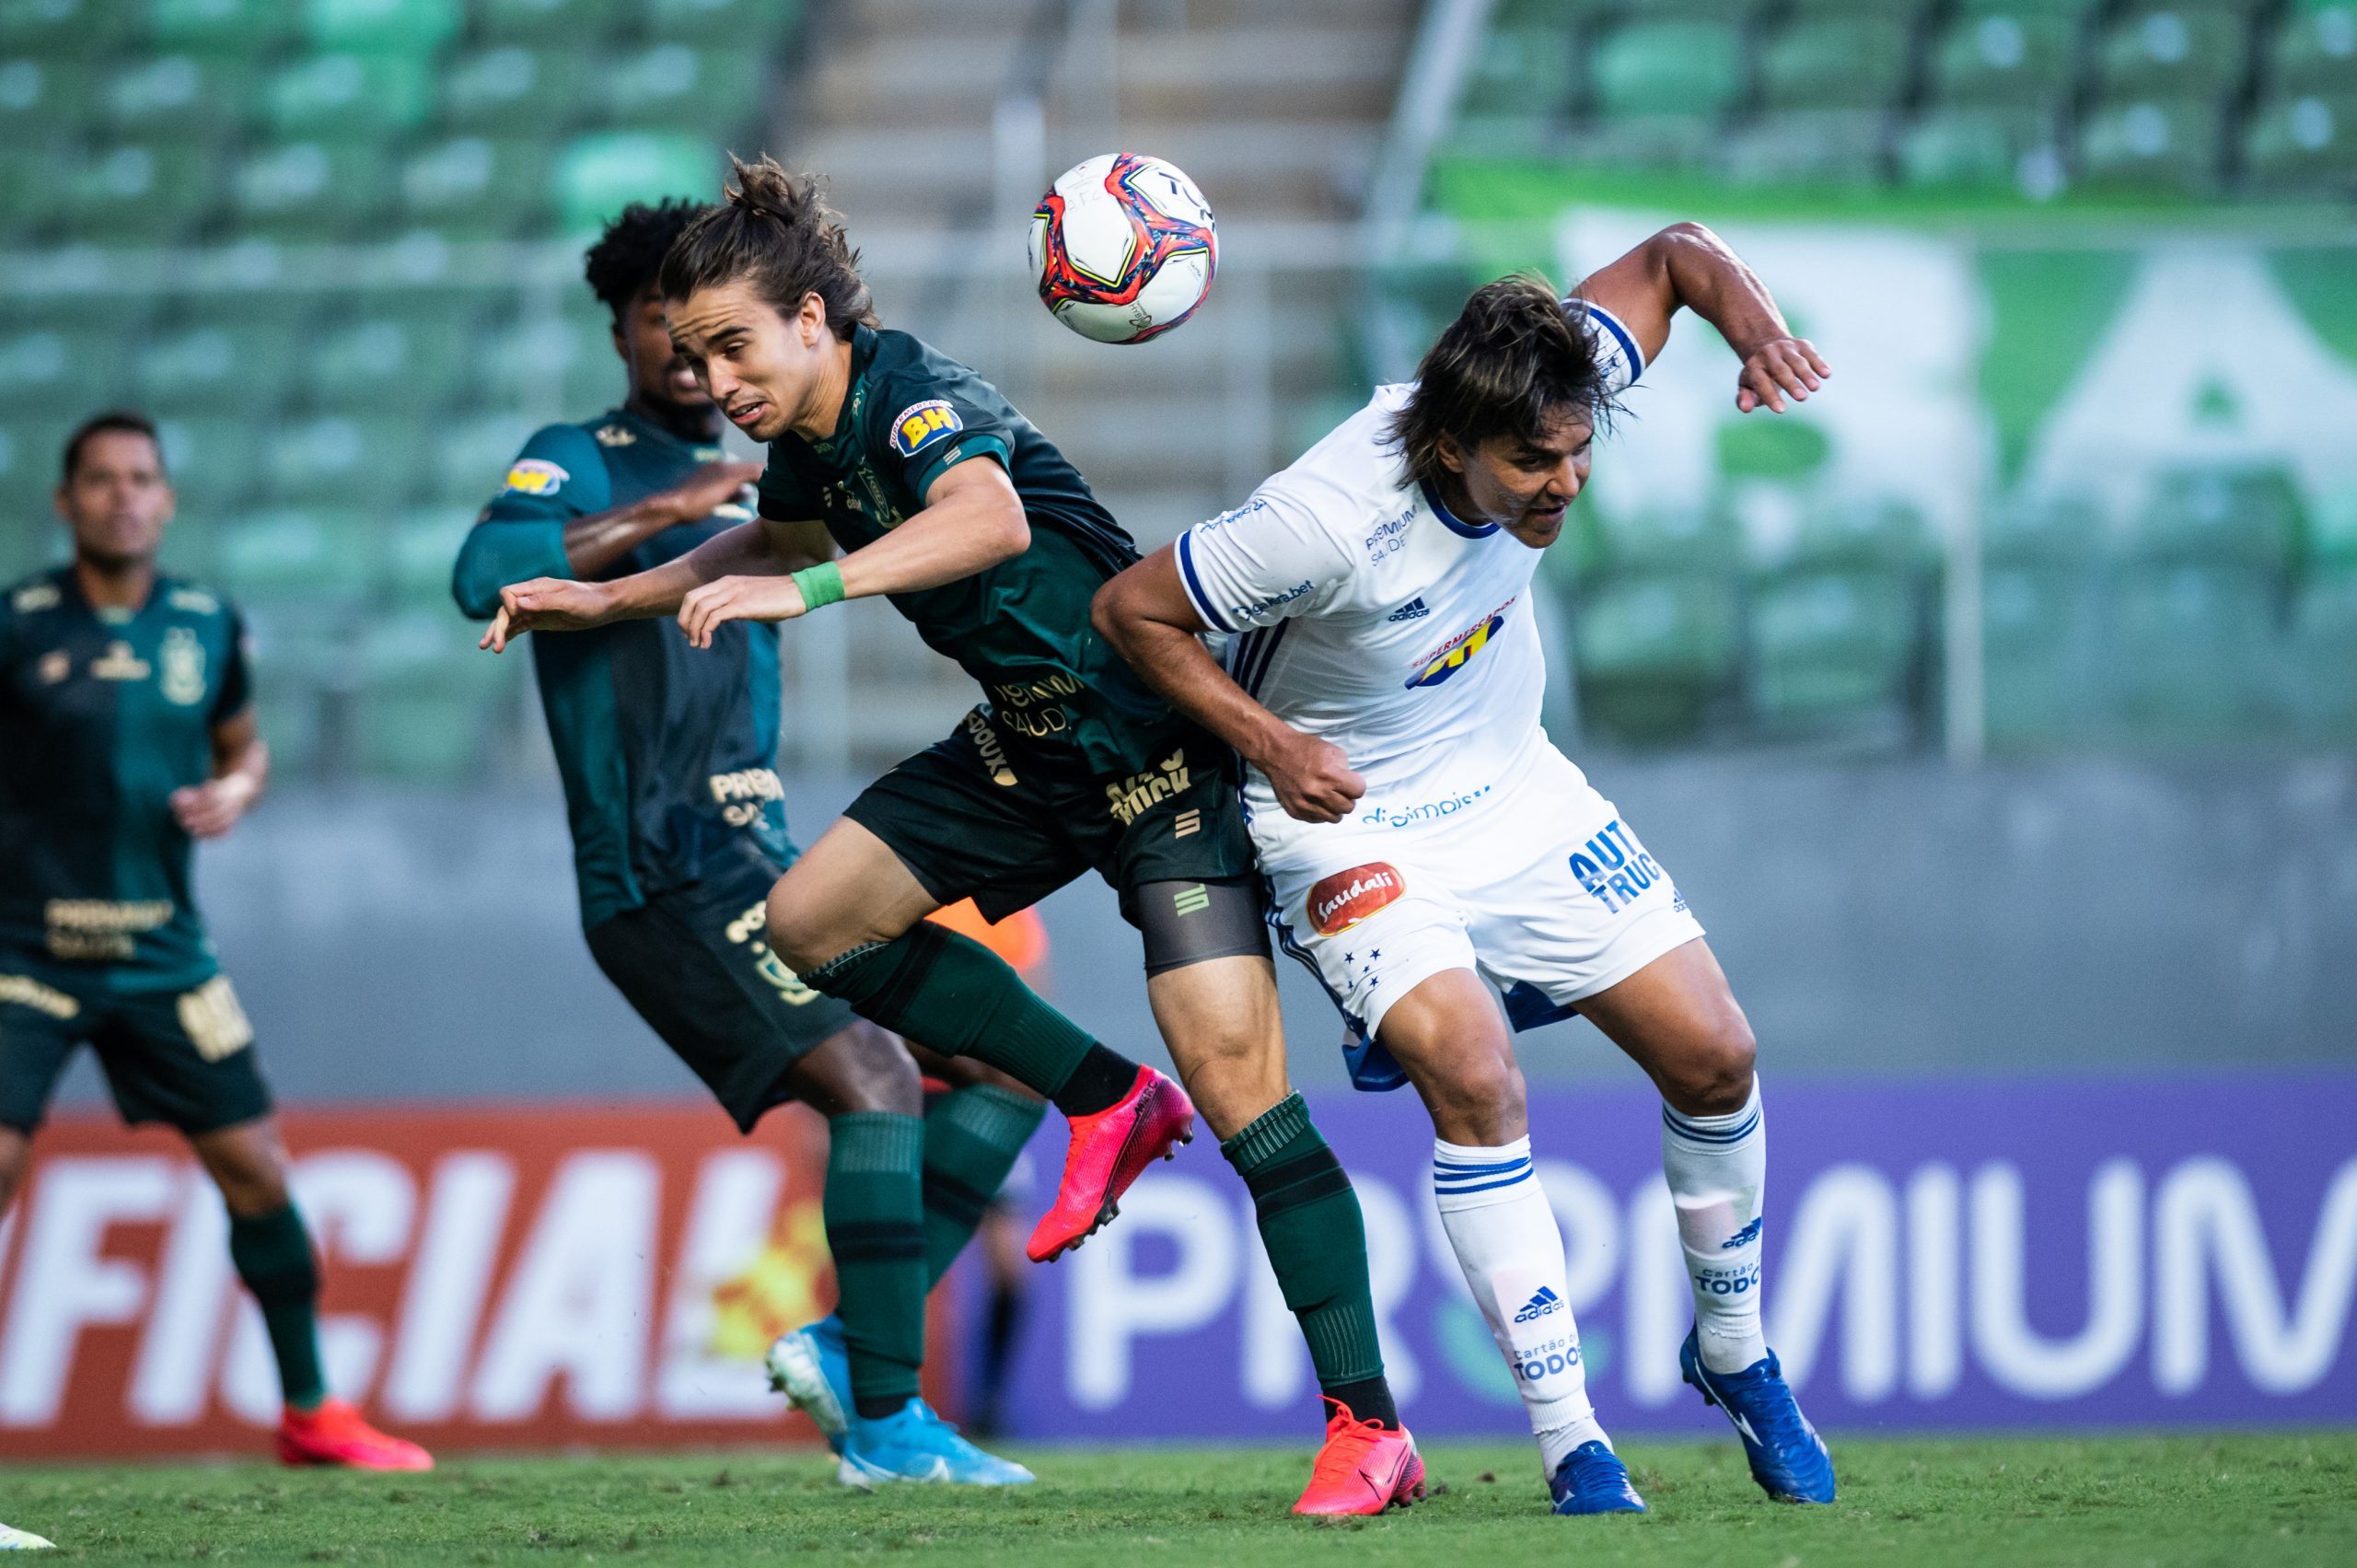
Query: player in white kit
{"points": [[1430, 854]]}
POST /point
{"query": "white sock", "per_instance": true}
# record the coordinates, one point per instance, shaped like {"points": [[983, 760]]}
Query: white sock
{"points": [[1717, 1168], [1499, 1221]]}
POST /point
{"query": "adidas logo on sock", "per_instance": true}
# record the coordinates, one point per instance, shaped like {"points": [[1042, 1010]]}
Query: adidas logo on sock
{"points": [[1539, 1306], [1414, 609], [1748, 1235]]}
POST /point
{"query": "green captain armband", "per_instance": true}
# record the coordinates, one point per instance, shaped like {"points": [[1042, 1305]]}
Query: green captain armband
{"points": [[822, 585]]}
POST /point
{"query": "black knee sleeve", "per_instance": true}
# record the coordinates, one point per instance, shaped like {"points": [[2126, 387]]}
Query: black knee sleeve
{"points": [[1188, 922]]}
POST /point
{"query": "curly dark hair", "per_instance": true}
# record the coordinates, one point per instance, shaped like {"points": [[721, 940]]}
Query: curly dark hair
{"points": [[775, 229], [630, 254], [1511, 362]]}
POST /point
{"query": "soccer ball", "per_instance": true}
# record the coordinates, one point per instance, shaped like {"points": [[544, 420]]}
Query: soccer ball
{"points": [[1123, 248]]}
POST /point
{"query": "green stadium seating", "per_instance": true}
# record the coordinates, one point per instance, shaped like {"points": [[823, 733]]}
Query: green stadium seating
{"points": [[1891, 536], [248, 28], [429, 702], [673, 87], [1549, 16], [2320, 653], [335, 462], [581, 23], [1654, 652], [349, 97], [1980, 147], [41, 102], [156, 192], [2065, 531], [1905, 12], [1700, 543], [179, 95], [1835, 64], [725, 24], [2020, 57], [309, 191], [467, 460], [1826, 644], [516, 91], [318, 560], [2308, 142], [1523, 76], [390, 27], [599, 175], [2314, 51], [211, 461], [2152, 143], [477, 188], [76, 29], [2186, 649], [2038, 644], [2331, 535], [394, 362], [2072, 11], [2219, 517], [207, 367], [1822, 145], [1651, 141], [2166, 50], [423, 546], [1686, 69], [30, 447]]}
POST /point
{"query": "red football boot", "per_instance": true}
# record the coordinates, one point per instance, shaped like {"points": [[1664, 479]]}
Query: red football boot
{"points": [[335, 1434], [1110, 1149], [1364, 1468]]}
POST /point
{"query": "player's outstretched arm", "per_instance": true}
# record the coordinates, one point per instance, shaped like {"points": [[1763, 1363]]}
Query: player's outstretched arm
{"points": [[1687, 267], [565, 604], [597, 541], [972, 520], [1144, 613]]}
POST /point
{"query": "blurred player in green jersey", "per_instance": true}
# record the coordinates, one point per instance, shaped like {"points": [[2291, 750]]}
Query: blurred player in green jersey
{"points": [[668, 756], [127, 733]]}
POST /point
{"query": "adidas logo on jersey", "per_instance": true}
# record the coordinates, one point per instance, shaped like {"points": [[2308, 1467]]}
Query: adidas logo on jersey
{"points": [[1539, 1306], [1414, 609]]}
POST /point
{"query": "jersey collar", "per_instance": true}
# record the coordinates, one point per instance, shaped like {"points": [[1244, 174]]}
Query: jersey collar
{"points": [[1448, 519], [863, 354]]}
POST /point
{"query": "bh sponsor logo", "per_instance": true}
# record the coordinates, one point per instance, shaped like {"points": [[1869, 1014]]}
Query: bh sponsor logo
{"points": [[1458, 651], [1615, 867], [1340, 902], [919, 425], [536, 476]]}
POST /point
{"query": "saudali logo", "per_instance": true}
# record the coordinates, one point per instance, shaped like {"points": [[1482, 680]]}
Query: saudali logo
{"points": [[118, 663], [1458, 651], [184, 666], [1341, 901], [536, 476], [919, 425]]}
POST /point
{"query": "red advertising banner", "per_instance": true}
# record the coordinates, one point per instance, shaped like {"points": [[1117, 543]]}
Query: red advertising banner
{"points": [[527, 1276]]}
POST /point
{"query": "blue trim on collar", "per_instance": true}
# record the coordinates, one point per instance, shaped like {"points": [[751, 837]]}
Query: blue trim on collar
{"points": [[1448, 519]]}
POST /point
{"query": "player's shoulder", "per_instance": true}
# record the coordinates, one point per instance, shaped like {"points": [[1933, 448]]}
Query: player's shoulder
{"points": [[560, 455], [916, 396], [191, 599], [1355, 473], [35, 594]]}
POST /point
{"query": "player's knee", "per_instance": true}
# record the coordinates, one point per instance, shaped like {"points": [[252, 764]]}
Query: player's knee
{"points": [[799, 932], [1480, 1100], [1714, 1077], [16, 1159], [249, 1166]]}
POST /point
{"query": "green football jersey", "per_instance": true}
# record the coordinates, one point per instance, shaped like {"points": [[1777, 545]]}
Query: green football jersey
{"points": [[1021, 627], [104, 713]]}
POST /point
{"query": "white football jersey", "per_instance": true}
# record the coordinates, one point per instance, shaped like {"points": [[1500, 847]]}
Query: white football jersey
{"points": [[1365, 614]]}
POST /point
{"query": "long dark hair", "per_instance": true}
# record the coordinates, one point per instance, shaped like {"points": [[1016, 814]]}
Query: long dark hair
{"points": [[1512, 362], [773, 229]]}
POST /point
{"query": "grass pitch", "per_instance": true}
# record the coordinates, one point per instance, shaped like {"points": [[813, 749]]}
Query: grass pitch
{"points": [[2242, 1501]]}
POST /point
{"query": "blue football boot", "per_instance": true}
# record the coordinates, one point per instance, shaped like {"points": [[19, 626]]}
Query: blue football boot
{"points": [[916, 1445], [1788, 1458], [811, 1367], [1592, 1480]]}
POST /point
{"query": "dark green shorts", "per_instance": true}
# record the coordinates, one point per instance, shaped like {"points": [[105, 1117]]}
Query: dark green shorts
{"points": [[184, 1058], [975, 816], [695, 962]]}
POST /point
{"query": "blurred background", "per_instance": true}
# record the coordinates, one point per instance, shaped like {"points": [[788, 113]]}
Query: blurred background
{"points": [[1995, 710]]}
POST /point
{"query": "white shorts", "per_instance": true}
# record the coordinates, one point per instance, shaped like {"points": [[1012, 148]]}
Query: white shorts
{"points": [[1540, 890]]}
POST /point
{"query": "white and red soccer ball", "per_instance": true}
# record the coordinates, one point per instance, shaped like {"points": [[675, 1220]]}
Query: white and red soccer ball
{"points": [[1123, 248]]}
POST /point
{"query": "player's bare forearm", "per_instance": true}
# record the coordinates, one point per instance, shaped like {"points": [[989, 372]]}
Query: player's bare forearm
{"points": [[597, 541], [1687, 267], [972, 520], [241, 774]]}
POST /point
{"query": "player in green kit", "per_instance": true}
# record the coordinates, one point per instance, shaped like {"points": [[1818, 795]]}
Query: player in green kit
{"points": [[678, 828], [126, 732], [949, 502]]}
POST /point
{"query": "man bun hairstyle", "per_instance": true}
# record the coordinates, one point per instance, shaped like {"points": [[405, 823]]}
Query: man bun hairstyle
{"points": [[630, 253], [773, 229], [120, 420], [1513, 362]]}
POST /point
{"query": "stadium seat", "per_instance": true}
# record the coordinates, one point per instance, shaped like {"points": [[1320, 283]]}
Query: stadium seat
{"points": [[2321, 656], [2039, 643], [150, 191], [2072, 11], [43, 368], [1543, 16], [248, 28], [2187, 649], [2064, 531], [429, 699], [1843, 144], [728, 23], [390, 27], [43, 101], [423, 547], [1905, 12], [392, 362], [208, 368], [477, 188], [1857, 62], [2021, 57], [713, 92], [1831, 645], [1972, 146], [2152, 143], [2167, 48], [2308, 142], [1523, 77], [2244, 517], [70, 29], [1886, 536], [1654, 652], [1688, 69], [2331, 534], [599, 175], [335, 462], [582, 23], [349, 97], [309, 191], [201, 95], [325, 558], [2314, 51], [1682, 541], [468, 457], [211, 461], [516, 91]]}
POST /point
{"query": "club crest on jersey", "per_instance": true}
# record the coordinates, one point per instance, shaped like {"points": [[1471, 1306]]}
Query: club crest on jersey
{"points": [[1341, 901], [183, 679], [536, 476], [1459, 650], [919, 425]]}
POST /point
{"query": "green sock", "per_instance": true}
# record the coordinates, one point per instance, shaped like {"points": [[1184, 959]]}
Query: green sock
{"points": [[272, 1253], [951, 994], [874, 1217], [971, 1138], [1317, 1242]]}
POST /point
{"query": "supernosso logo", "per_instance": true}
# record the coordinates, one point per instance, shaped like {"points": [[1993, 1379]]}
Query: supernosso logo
{"points": [[1539, 1306]]}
